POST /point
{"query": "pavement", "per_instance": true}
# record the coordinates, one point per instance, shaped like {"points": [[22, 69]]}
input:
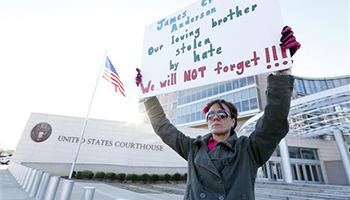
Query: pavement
{"points": [[10, 190]]}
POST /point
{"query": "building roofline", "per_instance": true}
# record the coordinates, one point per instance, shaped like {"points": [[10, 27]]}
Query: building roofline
{"points": [[322, 78]]}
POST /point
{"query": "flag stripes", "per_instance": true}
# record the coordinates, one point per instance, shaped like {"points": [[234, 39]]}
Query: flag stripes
{"points": [[111, 75]]}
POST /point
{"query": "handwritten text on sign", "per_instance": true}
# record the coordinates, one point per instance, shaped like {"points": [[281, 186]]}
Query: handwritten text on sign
{"points": [[212, 41]]}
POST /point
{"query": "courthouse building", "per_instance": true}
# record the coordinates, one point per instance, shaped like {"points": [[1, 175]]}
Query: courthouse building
{"points": [[316, 150]]}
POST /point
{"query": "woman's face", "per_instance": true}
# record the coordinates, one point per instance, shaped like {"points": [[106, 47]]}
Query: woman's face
{"points": [[219, 120]]}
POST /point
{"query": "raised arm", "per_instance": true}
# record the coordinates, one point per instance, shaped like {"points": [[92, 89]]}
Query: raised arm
{"points": [[167, 131], [162, 126], [273, 125]]}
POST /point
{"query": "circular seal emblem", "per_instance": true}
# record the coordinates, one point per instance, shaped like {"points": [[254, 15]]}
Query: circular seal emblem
{"points": [[41, 132]]}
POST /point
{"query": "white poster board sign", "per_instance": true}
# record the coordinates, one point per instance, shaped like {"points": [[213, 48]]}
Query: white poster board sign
{"points": [[212, 41]]}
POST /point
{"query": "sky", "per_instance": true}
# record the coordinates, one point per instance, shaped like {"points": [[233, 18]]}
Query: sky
{"points": [[51, 53]]}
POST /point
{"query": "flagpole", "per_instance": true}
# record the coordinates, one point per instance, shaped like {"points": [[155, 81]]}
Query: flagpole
{"points": [[85, 122]]}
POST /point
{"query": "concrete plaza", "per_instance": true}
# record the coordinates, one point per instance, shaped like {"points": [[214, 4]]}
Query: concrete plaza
{"points": [[11, 190]]}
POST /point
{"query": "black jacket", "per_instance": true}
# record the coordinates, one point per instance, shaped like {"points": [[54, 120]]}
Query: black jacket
{"points": [[229, 170]]}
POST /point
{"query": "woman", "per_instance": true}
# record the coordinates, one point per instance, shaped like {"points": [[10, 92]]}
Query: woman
{"points": [[221, 165]]}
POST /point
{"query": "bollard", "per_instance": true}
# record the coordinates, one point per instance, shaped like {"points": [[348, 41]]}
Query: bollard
{"points": [[17, 172], [43, 186], [31, 180], [66, 191], [36, 183], [28, 178], [26, 171], [10, 168], [23, 176], [52, 188], [23, 171], [20, 175], [88, 194]]}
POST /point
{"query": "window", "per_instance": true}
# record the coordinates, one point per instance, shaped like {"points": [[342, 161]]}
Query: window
{"points": [[264, 168], [198, 115], [253, 103], [294, 152], [330, 84], [230, 97], [188, 99], [183, 119], [204, 93], [237, 97], [317, 86], [193, 117], [228, 86], [251, 80], [221, 88], [252, 92], [245, 94], [301, 170], [307, 87], [303, 153], [336, 82], [187, 118], [243, 82], [314, 172], [238, 106], [235, 84], [308, 172], [294, 172], [215, 90], [245, 105], [209, 92], [308, 154], [299, 86], [343, 81], [313, 88], [198, 95], [193, 97], [197, 107], [323, 85]]}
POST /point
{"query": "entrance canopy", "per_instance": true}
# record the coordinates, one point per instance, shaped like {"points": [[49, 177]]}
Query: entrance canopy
{"points": [[315, 115]]}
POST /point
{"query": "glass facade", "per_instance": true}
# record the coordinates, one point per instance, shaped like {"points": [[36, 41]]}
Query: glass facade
{"points": [[304, 86], [243, 93]]}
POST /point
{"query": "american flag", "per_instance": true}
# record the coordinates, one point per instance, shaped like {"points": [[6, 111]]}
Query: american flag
{"points": [[111, 75]]}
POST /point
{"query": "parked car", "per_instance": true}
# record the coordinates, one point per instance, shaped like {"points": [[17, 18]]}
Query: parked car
{"points": [[5, 160]]}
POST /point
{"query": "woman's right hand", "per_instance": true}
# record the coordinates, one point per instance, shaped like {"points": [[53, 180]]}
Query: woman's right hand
{"points": [[138, 78], [288, 40]]}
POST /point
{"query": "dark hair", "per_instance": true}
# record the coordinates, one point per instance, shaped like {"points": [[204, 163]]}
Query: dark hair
{"points": [[232, 108]]}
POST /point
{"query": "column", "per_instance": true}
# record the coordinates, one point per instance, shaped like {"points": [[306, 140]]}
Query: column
{"points": [[287, 170], [338, 135]]}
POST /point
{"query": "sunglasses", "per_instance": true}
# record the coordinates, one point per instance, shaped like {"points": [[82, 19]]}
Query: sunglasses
{"points": [[222, 114]]}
